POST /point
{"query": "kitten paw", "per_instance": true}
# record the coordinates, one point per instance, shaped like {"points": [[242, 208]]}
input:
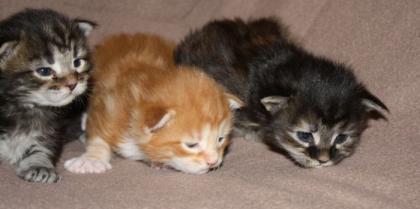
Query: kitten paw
{"points": [[85, 165], [40, 174], [157, 166]]}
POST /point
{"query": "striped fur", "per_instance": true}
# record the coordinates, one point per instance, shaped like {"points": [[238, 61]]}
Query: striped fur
{"points": [[34, 106]]}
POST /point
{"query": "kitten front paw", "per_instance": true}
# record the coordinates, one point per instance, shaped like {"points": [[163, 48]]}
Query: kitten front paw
{"points": [[83, 165], [40, 174], [157, 166]]}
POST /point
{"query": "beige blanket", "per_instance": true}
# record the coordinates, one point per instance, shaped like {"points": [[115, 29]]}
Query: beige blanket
{"points": [[379, 38]]}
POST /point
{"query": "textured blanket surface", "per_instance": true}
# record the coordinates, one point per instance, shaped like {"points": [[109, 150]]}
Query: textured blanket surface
{"points": [[379, 38]]}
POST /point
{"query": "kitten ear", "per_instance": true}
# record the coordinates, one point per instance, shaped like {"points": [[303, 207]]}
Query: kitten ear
{"points": [[163, 117], [6, 50], [85, 26], [234, 102], [375, 107], [274, 103]]}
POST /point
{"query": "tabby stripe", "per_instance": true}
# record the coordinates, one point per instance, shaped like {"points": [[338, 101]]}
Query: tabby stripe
{"points": [[30, 151]]}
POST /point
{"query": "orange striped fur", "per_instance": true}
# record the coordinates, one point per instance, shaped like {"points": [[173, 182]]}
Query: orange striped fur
{"points": [[145, 108]]}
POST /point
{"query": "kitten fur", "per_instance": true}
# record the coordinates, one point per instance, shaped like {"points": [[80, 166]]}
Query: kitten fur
{"points": [[144, 108], [310, 107], [40, 88]]}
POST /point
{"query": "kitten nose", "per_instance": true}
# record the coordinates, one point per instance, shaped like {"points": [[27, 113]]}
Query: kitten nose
{"points": [[324, 157], [211, 159], [211, 162], [71, 86], [71, 81]]}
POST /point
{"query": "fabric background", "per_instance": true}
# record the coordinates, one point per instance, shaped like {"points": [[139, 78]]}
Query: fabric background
{"points": [[379, 38]]}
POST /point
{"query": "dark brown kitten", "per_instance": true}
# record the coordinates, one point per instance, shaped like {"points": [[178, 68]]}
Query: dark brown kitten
{"points": [[312, 108]]}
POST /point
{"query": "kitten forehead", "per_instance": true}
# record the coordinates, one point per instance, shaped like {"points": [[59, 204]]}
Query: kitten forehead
{"points": [[306, 126], [57, 34], [209, 132], [346, 128], [75, 49], [206, 135], [62, 61], [310, 123]]}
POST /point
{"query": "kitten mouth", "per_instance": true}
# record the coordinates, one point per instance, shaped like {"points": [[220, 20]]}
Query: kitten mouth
{"points": [[312, 163], [215, 168], [325, 164], [202, 171], [196, 172]]}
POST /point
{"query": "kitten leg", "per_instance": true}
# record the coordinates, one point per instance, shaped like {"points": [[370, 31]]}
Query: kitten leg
{"points": [[82, 137], [95, 160], [35, 165]]}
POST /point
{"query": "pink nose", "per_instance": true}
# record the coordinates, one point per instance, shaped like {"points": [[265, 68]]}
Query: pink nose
{"points": [[71, 86], [211, 162]]}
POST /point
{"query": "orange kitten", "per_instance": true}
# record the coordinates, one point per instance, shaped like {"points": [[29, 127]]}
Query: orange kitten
{"points": [[145, 108]]}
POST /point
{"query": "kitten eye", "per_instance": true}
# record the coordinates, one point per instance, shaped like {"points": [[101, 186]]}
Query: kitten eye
{"points": [[340, 138], [191, 145], [221, 139], [44, 71], [78, 62], [305, 136]]}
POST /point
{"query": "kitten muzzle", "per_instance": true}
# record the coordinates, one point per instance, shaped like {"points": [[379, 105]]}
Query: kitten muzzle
{"points": [[71, 81], [322, 155], [71, 86]]}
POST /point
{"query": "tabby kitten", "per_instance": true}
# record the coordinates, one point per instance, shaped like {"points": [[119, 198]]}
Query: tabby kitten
{"points": [[144, 108], [312, 108], [43, 69]]}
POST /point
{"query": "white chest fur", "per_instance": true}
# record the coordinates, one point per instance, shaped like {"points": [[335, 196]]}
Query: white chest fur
{"points": [[131, 150]]}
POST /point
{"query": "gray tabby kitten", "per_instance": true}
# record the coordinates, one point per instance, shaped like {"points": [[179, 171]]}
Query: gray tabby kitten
{"points": [[44, 64]]}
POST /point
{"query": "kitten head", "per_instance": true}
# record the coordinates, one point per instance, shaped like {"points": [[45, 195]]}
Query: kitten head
{"points": [[44, 57], [322, 119], [192, 133]]}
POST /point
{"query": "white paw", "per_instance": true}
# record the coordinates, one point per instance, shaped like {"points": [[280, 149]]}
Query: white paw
{"points": [[83, 164]]}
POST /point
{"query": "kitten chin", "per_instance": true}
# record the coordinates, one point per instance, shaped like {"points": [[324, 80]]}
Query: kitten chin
{"points": [[311, 108], [40, 68], [145, 108]]}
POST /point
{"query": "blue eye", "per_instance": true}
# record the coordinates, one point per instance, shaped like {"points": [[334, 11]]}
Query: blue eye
{"points": [[77, 62], [340, 138], [45, 71], [305, 136]]}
